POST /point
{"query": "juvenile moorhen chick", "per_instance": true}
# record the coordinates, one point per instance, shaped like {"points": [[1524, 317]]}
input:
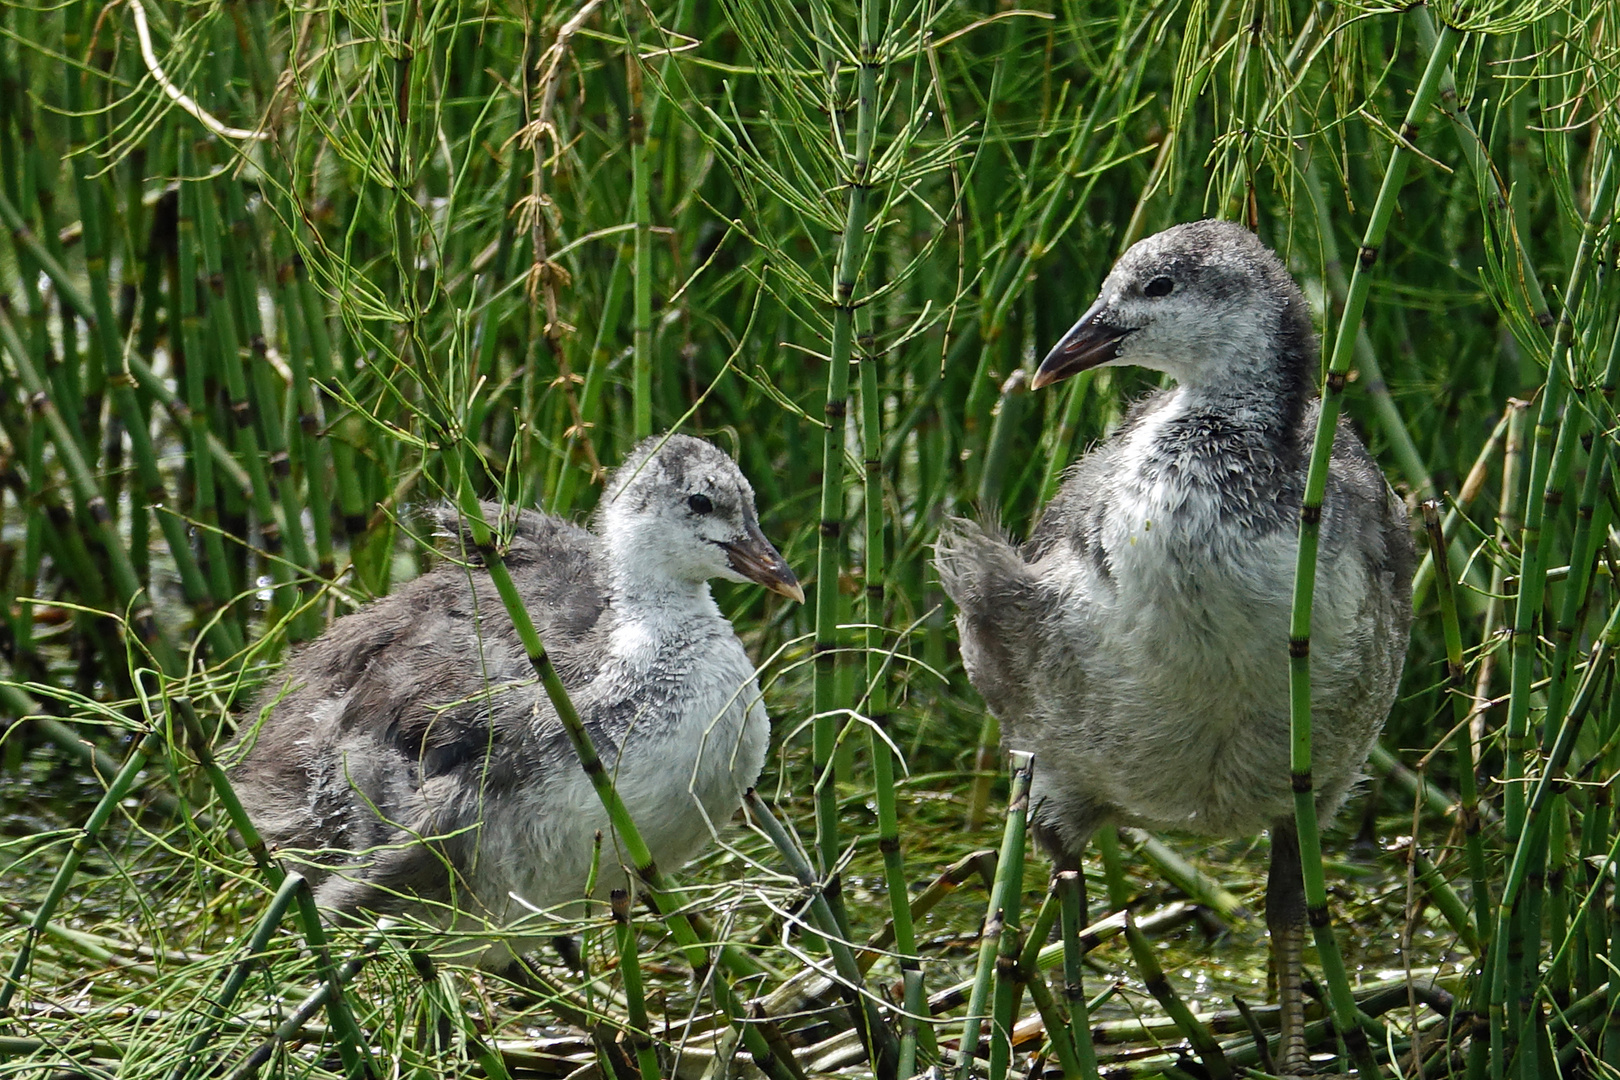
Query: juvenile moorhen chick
{"points": [[1137, 644], [410, 754]]}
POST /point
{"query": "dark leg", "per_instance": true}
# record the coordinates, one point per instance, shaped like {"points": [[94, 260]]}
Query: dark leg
{"points": [[1066, 841], [1285, 919], [568, 950], [1064, 861]]}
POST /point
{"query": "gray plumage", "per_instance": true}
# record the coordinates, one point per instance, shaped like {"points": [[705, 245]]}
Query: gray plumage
{"points": [[411, 755], [1137, 643]]}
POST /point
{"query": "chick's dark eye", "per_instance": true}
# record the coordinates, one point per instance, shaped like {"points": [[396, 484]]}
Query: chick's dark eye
{"points": [[700, 504], [1159, 286]]}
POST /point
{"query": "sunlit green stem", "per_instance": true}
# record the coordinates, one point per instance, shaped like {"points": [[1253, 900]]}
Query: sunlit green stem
{"points": [[851, 254], [877, 665], [1002, 913], [1070, 886], [1342, 1005], [635, 996]]}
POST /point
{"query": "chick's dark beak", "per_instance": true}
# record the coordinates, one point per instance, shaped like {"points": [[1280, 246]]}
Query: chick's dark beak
{"points": [[1089, 342], [756, 559]]}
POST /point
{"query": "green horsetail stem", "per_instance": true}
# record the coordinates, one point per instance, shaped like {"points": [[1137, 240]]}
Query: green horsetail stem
{"points": [[224, 359], [205, 500], [635, 995], [1006, 996], [1197, 1035], [1070, 887], [1342, 1005], [641, 216], [252, 957], [877, 672], [1001, 914], [1461, 708], [336, 1005], [356, 1059], [829, 547], [1029, 976], [881, 1048]]}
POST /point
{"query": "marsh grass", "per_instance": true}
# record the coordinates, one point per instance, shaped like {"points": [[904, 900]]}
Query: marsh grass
{"points": [[278, 278]]}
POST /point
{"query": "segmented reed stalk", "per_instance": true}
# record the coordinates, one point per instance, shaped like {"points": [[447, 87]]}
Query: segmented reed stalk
{"points": [[1299, 645]]}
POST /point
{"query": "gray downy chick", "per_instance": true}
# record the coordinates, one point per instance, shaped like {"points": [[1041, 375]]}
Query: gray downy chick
{"points": [[1137, 643], [409, 757]]}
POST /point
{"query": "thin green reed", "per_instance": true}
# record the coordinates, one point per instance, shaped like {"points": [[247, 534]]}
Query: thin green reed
{"points": [[640, 1031], [641, 217], [877, 661], [1461, 709], [1342, 1005], [265, 400], [881, 1047], [188, 286], [1506, 212], [291, 889], [1025, 974], [1191, 1028], [1001, 916], [225, 352], [1070, 887], [857, 179]]}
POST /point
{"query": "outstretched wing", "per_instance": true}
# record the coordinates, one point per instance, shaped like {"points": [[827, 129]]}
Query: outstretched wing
{"points": [[998, 610]]}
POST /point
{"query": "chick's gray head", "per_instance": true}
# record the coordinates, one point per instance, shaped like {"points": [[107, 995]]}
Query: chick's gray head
{"points": [[681, 510], [1206, 302]]}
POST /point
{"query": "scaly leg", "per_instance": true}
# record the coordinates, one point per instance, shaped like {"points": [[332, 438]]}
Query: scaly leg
{"points": [[1285, 920]]}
